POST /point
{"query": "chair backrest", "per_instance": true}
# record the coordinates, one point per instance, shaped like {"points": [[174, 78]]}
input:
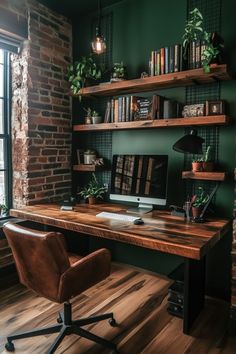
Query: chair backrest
{"points": [[40, 258]]}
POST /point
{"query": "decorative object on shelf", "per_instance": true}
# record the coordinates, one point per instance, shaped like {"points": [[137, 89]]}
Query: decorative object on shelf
{"points": [[207, 160], [82, 71], [189, 143], [197, 165], [80, 156], [93, 190], [214, 108], [198, 202], [193, 110], [170, 109], [89, 156], [143, 75], [118, 72], [200, 47], [88, 117], [96, 118], [99, 43]]}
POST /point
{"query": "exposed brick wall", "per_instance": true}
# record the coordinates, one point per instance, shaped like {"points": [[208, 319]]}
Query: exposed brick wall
{"points": [[41, 117]]}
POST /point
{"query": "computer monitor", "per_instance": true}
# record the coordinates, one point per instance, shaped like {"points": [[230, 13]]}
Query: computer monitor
{"points": [[141, 179]]}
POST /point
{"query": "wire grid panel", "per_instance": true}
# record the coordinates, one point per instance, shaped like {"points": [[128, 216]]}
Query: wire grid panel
{"points": [[102, 143], [211, 11]]}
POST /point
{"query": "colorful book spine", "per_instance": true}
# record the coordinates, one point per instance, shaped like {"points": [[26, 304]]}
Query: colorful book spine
{"points": [[166, 60], [162, 58]]}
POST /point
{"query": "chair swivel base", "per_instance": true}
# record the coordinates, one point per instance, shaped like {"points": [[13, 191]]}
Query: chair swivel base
{"points": [[66, 327]]}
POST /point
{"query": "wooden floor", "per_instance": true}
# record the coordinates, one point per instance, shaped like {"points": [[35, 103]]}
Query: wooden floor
{"points": [[138, 300]]}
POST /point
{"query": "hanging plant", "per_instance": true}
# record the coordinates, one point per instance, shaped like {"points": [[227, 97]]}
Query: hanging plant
{"points": [[81, 71]]}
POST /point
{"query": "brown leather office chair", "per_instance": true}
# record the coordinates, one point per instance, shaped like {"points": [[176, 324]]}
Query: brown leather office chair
{"points": [[44, 265]]}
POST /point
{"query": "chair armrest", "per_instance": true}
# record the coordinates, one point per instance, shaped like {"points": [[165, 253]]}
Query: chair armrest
{"points": [[84, 273]]}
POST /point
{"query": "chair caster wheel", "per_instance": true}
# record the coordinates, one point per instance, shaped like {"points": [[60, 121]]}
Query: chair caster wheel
{"points": [[59, 319], [10, 347], [113, 323]]}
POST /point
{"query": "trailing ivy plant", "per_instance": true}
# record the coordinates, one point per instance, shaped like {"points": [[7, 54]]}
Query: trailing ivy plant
{"points": [[81, 71]]}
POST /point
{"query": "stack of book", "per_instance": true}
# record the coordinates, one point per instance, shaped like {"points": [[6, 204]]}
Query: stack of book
{"points": [[166, 60], [195, 52], [133, 108]]}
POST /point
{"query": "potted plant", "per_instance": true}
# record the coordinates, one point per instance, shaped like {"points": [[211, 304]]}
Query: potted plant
{"points": [[96, 118], [207, 160], [89, 156], [198, 202], [194, 32], [93, 190], [197, 165], [88, 117], [118, 72], [82, 71]]}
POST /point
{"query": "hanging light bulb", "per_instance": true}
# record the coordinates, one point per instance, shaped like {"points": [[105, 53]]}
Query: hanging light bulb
{"points": [[99, 44]]}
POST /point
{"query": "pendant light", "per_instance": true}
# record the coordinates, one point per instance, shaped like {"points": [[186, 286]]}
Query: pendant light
{"points": [[99, 44]]}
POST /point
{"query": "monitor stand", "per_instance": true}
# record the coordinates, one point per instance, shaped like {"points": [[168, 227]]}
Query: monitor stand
{"points": [[141, 209]]}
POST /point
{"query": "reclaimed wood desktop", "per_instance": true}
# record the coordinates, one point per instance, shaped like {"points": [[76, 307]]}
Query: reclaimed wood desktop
{"points": [[160, 231]]}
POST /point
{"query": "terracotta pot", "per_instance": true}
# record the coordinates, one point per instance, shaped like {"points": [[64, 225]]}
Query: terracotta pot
{"points": [[208, 166], [196, 212], [92, 200], [196, 166]]}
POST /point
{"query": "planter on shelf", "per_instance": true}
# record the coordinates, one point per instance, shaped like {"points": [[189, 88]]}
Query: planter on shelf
{"points": [[89, 157], [208, 166], [93, 190], [96, 119], [197, 166]]}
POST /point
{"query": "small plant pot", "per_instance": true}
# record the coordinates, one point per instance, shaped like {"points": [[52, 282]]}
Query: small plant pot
{"points": [[197, 166], [208, 166], [88, 120], [89, 159], [97, 120], [92, 200], [196, 212]]}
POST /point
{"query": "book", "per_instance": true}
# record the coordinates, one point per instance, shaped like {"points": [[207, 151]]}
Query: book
{"points": [[162, 61], [116, 111], [166, 60], [176, 57], [171, 59]]}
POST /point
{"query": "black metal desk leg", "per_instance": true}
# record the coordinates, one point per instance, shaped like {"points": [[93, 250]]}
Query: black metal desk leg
{"points": [[194, 291]]}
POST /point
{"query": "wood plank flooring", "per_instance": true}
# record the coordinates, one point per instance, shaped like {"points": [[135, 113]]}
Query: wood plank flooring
{"points": [[138, 299]]}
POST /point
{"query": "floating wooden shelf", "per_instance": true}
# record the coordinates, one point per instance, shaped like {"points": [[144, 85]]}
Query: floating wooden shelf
{"points": [[154, 124], [182, 78], [87, 168], [209, 176]]}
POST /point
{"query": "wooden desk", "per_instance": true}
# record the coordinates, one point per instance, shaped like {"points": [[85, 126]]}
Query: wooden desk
{"points": [[160, 231]]}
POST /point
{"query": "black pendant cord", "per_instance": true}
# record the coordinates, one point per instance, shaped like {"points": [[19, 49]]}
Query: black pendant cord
{"points": [[99, 18]]}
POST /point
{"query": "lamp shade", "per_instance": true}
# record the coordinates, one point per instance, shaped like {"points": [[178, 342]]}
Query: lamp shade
{"points": [[190, 143]]}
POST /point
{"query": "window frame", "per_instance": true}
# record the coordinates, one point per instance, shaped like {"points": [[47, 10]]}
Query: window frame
{"points": [[6, 135]]}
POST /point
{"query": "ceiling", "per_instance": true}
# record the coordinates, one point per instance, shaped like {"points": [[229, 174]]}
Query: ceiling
{"points": [[72, 8]]}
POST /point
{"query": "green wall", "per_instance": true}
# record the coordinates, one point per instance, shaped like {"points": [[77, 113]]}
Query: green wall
{"points": [[138, 28]]}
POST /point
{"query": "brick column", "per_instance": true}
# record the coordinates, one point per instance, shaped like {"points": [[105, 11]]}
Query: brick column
{"points": [[41, 107], [233, 254]]}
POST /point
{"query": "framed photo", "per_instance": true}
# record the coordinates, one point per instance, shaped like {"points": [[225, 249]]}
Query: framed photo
{"points": [[214, 108], [193, 110]]}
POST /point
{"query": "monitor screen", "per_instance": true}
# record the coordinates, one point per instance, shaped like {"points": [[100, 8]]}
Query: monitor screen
{"points": [[139, 178]]}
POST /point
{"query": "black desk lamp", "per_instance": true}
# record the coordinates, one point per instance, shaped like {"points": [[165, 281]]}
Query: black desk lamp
{"points": [[189, 143]]}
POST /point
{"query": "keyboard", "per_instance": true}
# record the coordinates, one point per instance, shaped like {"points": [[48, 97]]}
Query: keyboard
{"points": [[115, 216]]}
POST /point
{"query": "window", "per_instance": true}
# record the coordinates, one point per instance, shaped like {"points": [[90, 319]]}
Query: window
{"points": [[5, 159]]}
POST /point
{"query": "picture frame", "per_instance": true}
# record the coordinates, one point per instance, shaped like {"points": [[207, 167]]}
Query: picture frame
{"points": [[214, 108]]}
